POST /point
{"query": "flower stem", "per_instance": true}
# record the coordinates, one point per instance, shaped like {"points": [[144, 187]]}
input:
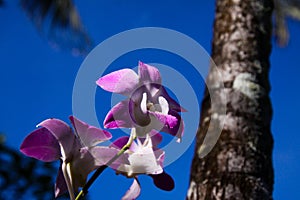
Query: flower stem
{"points": [[97, 173]]}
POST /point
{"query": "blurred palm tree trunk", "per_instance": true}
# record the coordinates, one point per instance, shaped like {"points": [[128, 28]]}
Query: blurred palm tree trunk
{"points": [[240, 164]]}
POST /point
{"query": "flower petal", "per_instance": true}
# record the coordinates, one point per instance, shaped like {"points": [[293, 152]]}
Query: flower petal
{"points": [[41, 145], [134, 191], [163, 104], [123, 81], [176, 130], [142, 161], [82, 164], [60, 184], [118, 116], [163, 181], [62, 132], [149, 74], [102, 155], [89, 135]]}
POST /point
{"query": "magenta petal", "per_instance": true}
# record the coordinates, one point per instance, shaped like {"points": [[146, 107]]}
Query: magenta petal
{"points": [[42, 145], [134, 191], [62, 132], [176, 130], [118, 116], [123, 81], [60, 184], [163, 181], [89, 135], [149, 74]]}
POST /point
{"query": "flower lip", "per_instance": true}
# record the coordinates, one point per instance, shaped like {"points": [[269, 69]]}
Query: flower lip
{"points": [[143, 157], [143, 101], [138, 108]]}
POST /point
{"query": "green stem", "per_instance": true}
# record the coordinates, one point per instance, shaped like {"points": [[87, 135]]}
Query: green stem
{"points": [[97, 173]]}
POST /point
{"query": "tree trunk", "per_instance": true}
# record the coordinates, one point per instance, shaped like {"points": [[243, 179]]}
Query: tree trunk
{"points": [[240, 164]]}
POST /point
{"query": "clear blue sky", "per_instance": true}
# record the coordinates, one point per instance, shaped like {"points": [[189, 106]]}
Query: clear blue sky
{"points": [[36, 82]]}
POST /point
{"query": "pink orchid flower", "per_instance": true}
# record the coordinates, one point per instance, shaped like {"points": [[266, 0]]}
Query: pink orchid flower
{"points": [[148, 105], [76, 150]]}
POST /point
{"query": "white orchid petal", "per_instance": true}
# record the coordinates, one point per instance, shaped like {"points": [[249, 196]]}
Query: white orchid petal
{"points": [[134, 191], [143, 161]]}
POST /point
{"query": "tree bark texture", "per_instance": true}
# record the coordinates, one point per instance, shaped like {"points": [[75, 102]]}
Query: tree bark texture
{"points": [[240, 164]]}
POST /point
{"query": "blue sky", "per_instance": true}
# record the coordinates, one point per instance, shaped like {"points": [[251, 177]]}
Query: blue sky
{"points": [[36, 82]]}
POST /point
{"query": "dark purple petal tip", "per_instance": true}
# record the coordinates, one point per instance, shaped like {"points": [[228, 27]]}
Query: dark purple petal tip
{"points": [[163, 181]]}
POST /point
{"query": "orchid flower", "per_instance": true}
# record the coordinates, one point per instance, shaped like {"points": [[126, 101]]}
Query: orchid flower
{"points": [[144, 158], [148, 105], [55, 140]]}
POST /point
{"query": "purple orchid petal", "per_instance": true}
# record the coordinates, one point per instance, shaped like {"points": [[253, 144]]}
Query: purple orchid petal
{"points": [[176, 130], [60, 184], [62, 132], [123, 81], [41, 145], [163, 181], [119, 117], [134, 191], [149, 74], [89, 135]]}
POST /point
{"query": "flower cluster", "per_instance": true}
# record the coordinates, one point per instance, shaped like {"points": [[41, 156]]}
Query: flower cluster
{"points": [[147, 111]]}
